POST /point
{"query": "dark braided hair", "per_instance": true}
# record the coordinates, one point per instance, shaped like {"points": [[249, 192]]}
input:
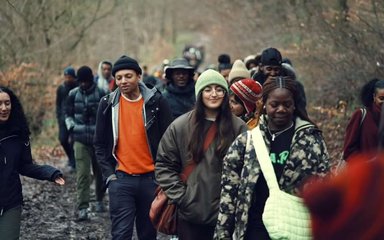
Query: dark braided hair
{"points": [[289, 83], [17, 120]]}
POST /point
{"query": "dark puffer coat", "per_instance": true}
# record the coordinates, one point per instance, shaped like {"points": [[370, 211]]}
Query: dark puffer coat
{"points": [[81, 109]]}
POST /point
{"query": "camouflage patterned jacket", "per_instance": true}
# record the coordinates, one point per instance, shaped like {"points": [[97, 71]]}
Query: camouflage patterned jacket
{"points": [[308, 157]]}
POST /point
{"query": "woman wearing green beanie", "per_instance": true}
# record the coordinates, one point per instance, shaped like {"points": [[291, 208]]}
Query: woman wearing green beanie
{"points": [[198, 141]]}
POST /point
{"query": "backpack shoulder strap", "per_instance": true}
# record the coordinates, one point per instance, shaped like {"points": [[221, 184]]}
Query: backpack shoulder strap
{"points": [[363, 114]]}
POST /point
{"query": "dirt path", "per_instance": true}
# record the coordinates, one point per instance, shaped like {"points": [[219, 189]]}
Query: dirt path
{"points": [[49, 211]]}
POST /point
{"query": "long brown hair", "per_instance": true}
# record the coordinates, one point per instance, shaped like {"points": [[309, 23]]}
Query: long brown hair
{"points": [[225, 133]]}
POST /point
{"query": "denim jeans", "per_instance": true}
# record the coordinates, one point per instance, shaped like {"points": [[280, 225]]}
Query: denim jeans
{"points": [[130, 199]]}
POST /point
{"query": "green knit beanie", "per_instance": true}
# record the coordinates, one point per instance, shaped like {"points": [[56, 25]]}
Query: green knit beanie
{"points": [[209, 77]]}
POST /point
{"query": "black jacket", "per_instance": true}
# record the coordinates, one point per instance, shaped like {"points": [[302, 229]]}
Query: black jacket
{"points": [[15, 159], [81, 109], [180, 100], [157, 117], [61, 96]]}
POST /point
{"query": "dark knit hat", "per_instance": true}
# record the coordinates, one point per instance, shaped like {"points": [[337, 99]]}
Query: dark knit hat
{"points": [[271, 57], [70, 71], [84, 74], [350, 205], [224, 62], [125, 62], [178, 63], [248, 91]]}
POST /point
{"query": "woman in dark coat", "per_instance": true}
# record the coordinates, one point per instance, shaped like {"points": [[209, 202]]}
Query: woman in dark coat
{"points": [[15, 159]]}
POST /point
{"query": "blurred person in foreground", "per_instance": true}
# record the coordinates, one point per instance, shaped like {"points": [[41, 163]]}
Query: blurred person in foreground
{"points": [[349, 205], [61, 96], [297, 151], [16, 158]]}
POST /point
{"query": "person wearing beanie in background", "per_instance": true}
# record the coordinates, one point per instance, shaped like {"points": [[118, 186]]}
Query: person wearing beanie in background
{"points": [[297, 151], [270, 65], [349, 205], [180, 89], [198, 139], [249, 92], [81, 107], [61, 95], [225, 65], [104, 79], [238, 72], [130, 123], [252, 62]]}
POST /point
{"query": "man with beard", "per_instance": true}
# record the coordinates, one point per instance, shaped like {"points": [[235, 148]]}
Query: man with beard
{"points": [[180, 89], [270, 65]]}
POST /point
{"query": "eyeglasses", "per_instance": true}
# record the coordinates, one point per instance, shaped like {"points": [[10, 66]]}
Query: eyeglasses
{"points": [[218, 91]]}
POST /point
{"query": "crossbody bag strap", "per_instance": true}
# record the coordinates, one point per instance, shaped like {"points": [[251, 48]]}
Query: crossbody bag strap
{"points": [[264, 159], [211, 133]]}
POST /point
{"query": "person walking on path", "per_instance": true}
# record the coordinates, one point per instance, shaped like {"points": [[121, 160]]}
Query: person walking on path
{"points": [[180, 89], [61, 96], [186, 142], [248, 92], [130, 122], [238, 72], [81, 107], [297, 151], [362, 132], [104, 79], [16, 159]]}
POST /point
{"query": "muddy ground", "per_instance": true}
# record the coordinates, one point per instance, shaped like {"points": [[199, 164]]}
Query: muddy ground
{"points": [[49, 210]]}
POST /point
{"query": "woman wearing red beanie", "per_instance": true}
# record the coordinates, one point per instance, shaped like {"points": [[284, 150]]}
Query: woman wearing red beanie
{"points": [[248, 93]]}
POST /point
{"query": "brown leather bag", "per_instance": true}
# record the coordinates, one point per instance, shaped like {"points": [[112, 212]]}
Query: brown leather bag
{"points": [[163, 213]]}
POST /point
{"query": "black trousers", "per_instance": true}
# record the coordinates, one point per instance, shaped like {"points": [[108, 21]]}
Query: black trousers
{"points": [[130, 199], [191, 231], [68, 147]]}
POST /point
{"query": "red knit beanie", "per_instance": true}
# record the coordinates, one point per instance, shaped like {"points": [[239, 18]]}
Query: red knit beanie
{"points": [[249, 91], [350, 205]]}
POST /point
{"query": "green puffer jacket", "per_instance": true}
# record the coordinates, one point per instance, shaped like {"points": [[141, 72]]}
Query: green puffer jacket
{"points": [[308, 157]]}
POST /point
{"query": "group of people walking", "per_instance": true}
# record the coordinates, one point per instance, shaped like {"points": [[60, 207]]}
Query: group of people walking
{"points": [[138, 136]]}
